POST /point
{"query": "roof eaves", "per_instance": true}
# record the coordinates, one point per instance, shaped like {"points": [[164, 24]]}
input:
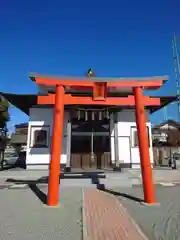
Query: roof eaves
{"points": [[164, 78], [170, 121], [165, 100]]}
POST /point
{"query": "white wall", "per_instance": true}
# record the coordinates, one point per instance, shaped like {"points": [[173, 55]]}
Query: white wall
{"points": [[112, 139], [41, 156], [127, 153]]}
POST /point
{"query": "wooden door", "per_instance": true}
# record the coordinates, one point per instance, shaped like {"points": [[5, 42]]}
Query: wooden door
{"points": [[102, 151], [81, 153]]}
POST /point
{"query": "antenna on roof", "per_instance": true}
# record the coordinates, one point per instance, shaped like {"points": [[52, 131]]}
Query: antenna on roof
{"points": [[90, 73], [165, 114]]}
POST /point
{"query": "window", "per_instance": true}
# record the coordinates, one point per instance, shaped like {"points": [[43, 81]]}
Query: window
{"points": [[134, 137], [39, 137]]}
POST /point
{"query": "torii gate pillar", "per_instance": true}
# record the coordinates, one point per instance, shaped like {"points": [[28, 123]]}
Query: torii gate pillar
{"points": [[149, 196], [54, 171]]}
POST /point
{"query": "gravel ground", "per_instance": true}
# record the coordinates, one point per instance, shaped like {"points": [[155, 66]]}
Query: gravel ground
{"points": [[23, 216], [160, 222]]}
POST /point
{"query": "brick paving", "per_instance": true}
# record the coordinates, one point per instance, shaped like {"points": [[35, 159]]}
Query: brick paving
{"points": [[106, 219]]}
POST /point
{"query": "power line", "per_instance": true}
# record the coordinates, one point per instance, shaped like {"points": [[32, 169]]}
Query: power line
{"points": [[177, 71]]}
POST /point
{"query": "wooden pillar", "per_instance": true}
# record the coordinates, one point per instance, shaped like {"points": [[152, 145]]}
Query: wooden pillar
{"points": [[146, 169], [54, 171]]}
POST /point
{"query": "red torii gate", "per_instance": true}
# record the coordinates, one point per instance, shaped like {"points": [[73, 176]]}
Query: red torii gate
{"points": [[60, 99]]}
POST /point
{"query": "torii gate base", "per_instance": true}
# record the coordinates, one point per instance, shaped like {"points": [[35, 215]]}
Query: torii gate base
{"points": [[59, 99]]}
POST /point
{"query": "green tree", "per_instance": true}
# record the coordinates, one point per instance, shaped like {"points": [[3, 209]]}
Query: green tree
{"points": [[4, 112], [4, 118]]}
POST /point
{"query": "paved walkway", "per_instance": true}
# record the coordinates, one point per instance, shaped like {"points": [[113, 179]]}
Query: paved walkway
{"points": [[106, 219]]}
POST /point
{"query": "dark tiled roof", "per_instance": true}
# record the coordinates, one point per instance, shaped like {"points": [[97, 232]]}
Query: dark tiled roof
{"points": [[25, 101], [169, 122], [22, 101], [165, 100], [21, 125]]}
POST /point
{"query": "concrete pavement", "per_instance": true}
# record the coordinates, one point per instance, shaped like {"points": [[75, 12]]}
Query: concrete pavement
{"points": [[157, 223], [24, 216], [116, 179]]}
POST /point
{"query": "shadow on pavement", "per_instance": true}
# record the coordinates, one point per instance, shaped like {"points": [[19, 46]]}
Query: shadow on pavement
{"points": [[93, 176], [90, 175], [40, 194], [4, 168], [10, 167], [32, 184], [124, 195]]}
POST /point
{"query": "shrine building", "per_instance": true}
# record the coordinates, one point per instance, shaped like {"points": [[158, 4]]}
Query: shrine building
{"points": [[89, 123], [99, 123]]}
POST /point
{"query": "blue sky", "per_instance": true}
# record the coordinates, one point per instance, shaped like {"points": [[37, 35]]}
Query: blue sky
{"points": [[115, 38]]}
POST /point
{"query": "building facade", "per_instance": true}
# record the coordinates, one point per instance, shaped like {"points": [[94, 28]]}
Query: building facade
{"points": [[117, 133], [94, 136]]}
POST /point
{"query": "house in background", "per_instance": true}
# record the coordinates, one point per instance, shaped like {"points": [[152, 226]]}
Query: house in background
{"points": [[21, 128], [167, 133], [19, 138], [166, 141]]}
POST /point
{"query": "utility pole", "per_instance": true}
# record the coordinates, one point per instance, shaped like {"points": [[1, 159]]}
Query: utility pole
{"points": [[177, 71], [165, 114]]}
